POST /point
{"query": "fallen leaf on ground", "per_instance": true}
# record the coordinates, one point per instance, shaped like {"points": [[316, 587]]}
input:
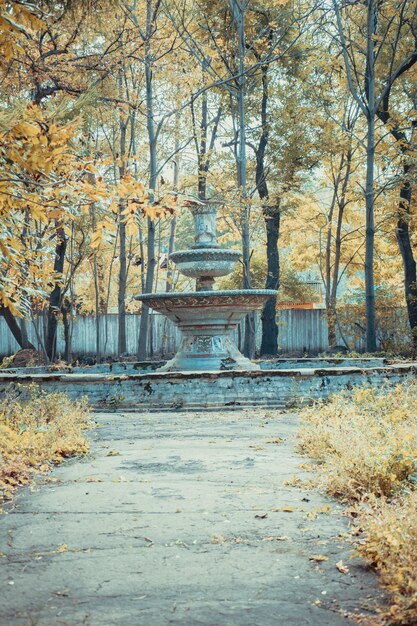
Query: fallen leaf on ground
{"points": [[293, 481], [285, 509], [305, 466], [342, 568], [318, 558], [63, 548], [93, 479]]}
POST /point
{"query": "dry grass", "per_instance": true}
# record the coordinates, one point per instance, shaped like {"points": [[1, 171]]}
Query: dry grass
{"points": [[35, 432], [390, 531], [365, 442], [365, 445]]}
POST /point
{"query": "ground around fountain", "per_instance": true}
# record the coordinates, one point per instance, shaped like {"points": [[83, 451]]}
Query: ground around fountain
{"points": [[180, 518]]}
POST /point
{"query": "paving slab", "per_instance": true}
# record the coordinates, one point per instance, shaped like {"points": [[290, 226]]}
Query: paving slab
{"points": [[180, 518]]}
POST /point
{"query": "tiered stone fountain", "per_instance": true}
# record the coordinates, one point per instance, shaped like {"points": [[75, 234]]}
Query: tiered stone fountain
{"points": [[207, 318], [198, 377]]}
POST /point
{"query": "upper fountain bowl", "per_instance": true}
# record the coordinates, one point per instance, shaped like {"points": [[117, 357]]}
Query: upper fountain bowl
{"points": [[199, 262]]}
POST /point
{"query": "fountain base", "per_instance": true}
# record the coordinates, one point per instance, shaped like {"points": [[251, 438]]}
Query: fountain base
{"points": [[208, 349], [207, 320]]}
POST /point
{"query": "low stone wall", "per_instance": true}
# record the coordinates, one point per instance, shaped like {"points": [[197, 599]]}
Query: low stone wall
{"points": [[146, 391], [139, 367], [320, 362]]}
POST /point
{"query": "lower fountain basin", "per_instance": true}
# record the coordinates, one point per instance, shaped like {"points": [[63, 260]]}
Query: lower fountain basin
{"points": [[205, 261], [207, 320], [191, 306]]}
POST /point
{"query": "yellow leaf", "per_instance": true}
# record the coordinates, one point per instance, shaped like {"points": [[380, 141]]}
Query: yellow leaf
{"points": [[342, 568], [284, 509]]}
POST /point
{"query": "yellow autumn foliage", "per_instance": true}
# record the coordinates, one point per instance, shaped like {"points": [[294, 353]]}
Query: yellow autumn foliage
{"points": [[390, 545], [365, 440], [35, 432], [365, 445]]}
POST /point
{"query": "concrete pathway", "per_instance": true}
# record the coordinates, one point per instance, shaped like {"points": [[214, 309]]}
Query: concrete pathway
{"points": [[179, 518]]}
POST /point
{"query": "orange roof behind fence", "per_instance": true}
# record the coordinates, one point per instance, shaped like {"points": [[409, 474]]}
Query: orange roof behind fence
{"points": [[301, 305]]}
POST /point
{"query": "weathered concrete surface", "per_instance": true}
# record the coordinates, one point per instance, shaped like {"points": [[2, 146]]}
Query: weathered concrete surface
{"points": [[164, 523], [212, 390], [135, 367]]}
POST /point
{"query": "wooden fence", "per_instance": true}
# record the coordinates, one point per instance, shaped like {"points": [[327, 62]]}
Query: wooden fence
{"points": [[299, 331]]}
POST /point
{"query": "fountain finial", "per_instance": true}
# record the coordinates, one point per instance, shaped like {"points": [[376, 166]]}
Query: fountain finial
{"points": [[204, 213]]}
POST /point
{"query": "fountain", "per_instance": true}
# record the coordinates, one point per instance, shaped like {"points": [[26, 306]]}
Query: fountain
{"points": [[208, 372], [207, 318]]}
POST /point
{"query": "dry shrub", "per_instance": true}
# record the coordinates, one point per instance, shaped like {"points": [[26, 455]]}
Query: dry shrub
{"points": [[365, 445], [40, 429], [364, 441], [390, 545]]}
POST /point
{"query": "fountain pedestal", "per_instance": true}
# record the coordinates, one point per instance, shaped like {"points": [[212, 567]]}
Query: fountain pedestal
{"points": [[207, 319]]}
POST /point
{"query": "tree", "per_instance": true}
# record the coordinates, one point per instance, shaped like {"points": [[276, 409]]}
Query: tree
{"points": [[42, 188], [401, 130], [376, 32]]}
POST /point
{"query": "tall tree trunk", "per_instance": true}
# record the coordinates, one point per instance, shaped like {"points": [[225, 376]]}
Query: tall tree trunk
{"points": [[204, 146], [368, 107], [238, 11], [330, 313], [269, 344], [66, 310], [370, 238], [406, 250], [96, 288], [332, 262], [56, 295], [20, 334], [403, 234], [14, 328], [370, 183], [153, 170], [338, 241], [272, 217], [173, 224], [24, 331], [121, 294]]}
